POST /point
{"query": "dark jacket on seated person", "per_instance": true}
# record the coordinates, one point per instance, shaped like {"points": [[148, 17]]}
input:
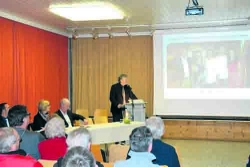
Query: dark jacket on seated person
{"points": [[38, 123], [72, 117], [59, 163], [2, 122], [165, 154]]}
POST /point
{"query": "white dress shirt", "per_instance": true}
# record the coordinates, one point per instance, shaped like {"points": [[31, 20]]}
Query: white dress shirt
{"points": [[66, 117]]}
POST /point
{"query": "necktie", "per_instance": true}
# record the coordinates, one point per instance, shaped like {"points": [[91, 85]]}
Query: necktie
{"points": [[123, 95]]}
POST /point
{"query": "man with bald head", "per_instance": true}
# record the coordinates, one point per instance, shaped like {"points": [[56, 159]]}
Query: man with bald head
{"points": [[68, 116]]}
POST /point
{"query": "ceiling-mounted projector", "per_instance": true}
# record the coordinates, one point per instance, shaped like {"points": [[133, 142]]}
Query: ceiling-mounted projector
{"points": [[195, 9]]}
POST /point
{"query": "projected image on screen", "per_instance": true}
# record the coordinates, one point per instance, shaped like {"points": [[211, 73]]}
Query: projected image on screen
{"points": [[215, 67], [206, 65]]}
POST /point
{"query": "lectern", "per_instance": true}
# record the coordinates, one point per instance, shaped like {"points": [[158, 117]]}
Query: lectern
{"points": [[136, 109]]}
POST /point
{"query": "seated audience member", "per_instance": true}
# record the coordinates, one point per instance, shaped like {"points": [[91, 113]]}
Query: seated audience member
{"points": [[55, 146], [67, 115], [19, 119], [4, 109], [78, 157], [165, 154], [78, 137], [42, 117], [141, 144], [10, 154]]}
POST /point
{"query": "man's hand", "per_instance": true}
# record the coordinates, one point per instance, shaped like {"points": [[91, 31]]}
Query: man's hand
{"points": [[85, 122], [119, 105]]}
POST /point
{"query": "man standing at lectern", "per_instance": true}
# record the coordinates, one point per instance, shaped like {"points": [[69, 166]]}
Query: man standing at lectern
{"points": [[120, 93]]}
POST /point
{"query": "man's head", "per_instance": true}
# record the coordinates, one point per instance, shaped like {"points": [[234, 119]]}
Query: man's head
{"points": [[156, 126], [78, 157], [141, 139], [19, 116], [123, 79], [64, 105], [9, 140], [4, 109], [79, 137]]}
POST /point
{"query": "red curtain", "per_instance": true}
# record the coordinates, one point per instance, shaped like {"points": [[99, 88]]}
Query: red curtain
{"points": [[6, 62], [40, 66]]}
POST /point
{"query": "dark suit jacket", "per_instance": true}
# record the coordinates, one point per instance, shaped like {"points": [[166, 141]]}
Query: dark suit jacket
{"points": [[72, 117], [38, 122], [165, 154], [116, 96], [2, 122]]}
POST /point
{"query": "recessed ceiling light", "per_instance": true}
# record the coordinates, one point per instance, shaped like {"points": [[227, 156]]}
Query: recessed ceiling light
{"points": [[88, 11]]}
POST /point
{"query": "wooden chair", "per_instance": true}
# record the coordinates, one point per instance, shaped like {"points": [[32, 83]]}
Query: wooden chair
{"points": [[96, 151], [101, 119], [83, 112], [101, 112], [108, 164], [47, 163], [117, 152]]}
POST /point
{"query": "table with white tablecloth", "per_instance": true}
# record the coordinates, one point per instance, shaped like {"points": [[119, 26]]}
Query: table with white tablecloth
{"points": [[110, 132]]}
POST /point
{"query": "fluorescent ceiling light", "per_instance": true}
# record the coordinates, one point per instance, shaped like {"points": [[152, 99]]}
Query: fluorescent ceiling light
{"points": [[88, 11]]}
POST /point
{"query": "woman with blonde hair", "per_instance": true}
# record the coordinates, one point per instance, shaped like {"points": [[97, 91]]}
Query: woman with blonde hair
{"points": [[42, 117]]}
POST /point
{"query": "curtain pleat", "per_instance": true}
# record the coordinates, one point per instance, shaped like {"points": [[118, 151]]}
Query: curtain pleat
{"points": [[96, 64], [34, 64]]}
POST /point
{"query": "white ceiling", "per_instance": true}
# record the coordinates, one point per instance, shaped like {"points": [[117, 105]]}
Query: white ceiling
{"points": [[159, 13]]}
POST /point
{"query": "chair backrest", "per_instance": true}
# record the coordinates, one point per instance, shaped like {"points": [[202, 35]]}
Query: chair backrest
{"points": [[108, 164], [96, 151], [117, 152], [83, 112], [101, 119], [101, 112], [47, 163]]}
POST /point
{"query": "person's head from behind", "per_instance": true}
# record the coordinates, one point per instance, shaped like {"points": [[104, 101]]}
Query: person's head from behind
{"points": [[156, 126], [141, 139], [64, 105], [44, 107], [79, 137], [19, 116], [123, 79], [55, 127], [78, 157], [9, 140], [4, 109]]}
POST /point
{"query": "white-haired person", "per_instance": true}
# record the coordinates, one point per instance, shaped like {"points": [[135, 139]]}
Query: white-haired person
{"points": [[78, 137], [78, 157], [68, 116], [165, 154], [141, 144], [42, 116], [55, 145], [10, 154]]}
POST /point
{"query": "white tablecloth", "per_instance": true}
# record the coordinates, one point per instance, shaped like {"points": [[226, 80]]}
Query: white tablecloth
{"points": [[110, 132]]}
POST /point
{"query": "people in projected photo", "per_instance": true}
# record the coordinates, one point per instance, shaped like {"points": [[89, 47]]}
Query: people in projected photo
{"points": [[198, 67]]}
